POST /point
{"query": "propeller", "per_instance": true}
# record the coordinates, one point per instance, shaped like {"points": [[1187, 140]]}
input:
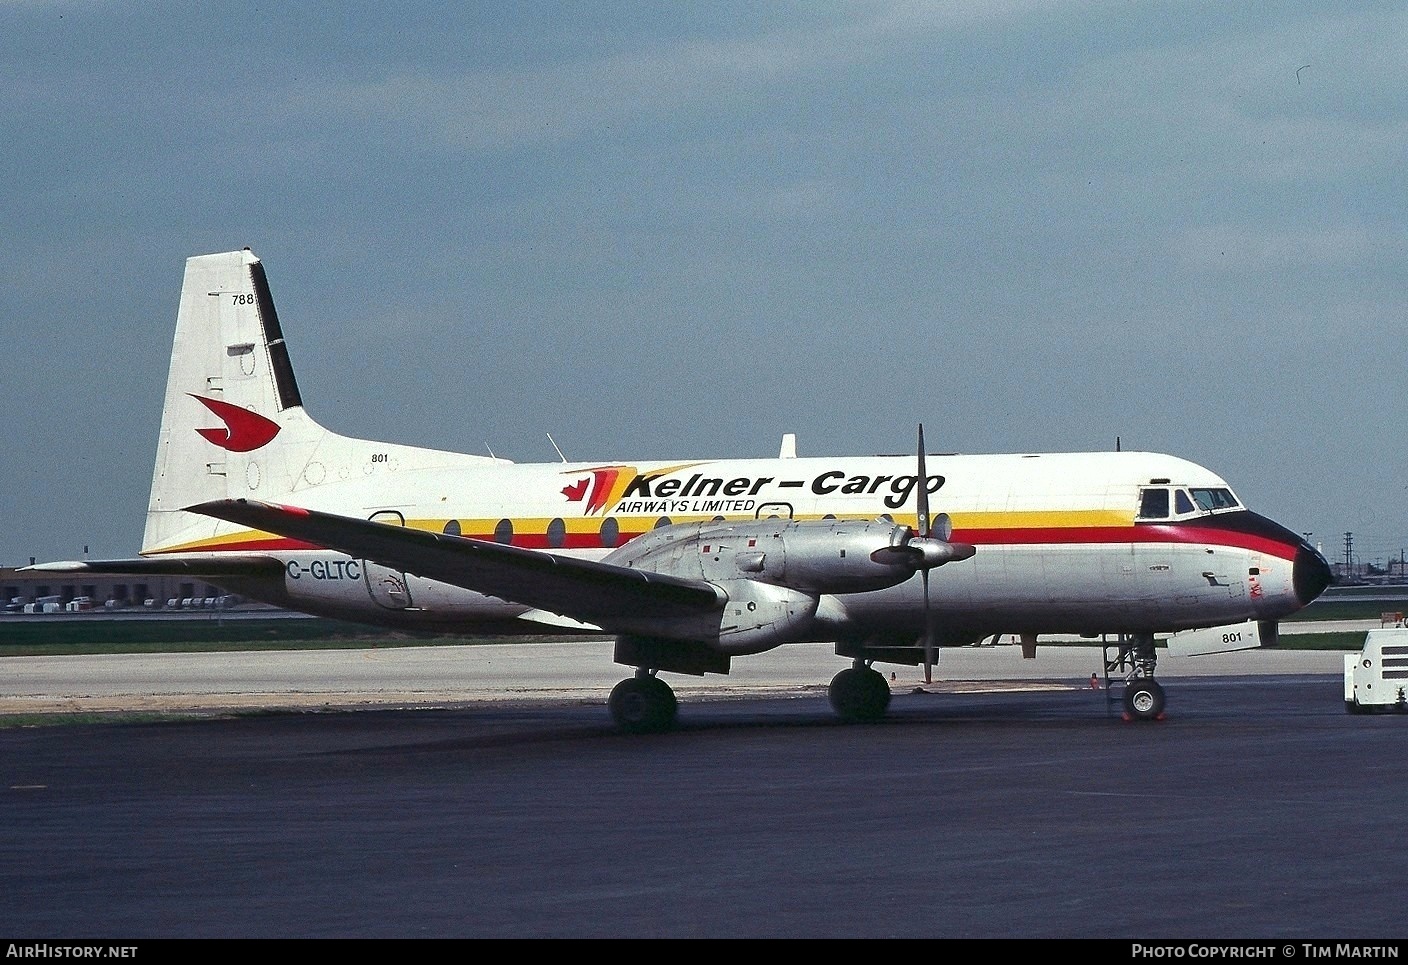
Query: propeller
{"points": [[926, 532], [932, 548], [923, 548]]}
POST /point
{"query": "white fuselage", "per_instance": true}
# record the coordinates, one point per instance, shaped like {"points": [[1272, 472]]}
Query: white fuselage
{"points": [[1059, 547]]}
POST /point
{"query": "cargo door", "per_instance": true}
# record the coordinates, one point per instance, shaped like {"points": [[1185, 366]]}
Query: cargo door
{"points": [[388, 587]]}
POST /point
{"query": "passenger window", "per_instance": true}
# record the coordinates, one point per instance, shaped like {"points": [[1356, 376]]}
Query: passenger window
{"points": [[503, 533], [1181, 503], [610, 533], [1153, 504], [557, 534]]}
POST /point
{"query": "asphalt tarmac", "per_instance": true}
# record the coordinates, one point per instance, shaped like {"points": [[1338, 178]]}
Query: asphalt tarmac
{"points": [[443, 676], [1010, 802]]}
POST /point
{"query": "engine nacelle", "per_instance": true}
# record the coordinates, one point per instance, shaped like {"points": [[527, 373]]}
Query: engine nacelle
{"points": [[760, 616], [811, 556]]}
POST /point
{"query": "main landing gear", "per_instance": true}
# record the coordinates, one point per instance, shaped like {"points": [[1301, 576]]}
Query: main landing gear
{"points": [[643, 704], [859, 693]]}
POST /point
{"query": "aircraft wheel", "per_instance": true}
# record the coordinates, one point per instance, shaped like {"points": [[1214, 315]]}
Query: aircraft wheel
{"points": [[1143, 700], [859, 694], [643, 705]]}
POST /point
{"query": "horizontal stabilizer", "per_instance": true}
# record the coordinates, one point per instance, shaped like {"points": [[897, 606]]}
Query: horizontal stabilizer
{"points": [[1197, 643], [204, 566]]}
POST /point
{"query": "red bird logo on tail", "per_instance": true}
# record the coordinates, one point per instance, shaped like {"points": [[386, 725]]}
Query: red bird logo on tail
{"points": [[244, 430]]}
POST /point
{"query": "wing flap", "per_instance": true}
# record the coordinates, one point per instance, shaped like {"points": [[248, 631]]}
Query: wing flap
{"points": [[592, 592]]}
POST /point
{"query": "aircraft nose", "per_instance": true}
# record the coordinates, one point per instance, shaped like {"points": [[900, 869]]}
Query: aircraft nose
{"points": [[1310, 574]]}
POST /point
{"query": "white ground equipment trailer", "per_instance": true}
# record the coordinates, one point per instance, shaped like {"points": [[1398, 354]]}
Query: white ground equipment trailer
{"points": [[1376, 678]]}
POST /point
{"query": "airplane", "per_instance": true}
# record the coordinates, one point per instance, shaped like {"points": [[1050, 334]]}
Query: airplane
{"points": [[688, 564]]}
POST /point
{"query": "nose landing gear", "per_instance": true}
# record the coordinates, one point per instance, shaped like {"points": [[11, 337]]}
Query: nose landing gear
{"points": [[1143, 700], [1134, 662]]}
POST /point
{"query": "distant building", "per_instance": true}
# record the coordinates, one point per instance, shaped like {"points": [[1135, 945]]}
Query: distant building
{"points": [[61, 592]]}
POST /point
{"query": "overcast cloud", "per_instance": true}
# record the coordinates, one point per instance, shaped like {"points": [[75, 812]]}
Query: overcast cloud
{"points": [[681, 230]]}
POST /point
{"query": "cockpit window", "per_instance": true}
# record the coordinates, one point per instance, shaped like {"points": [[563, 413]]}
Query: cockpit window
{"points": [[1159, 502], [1209, 500], [1153, 504]]}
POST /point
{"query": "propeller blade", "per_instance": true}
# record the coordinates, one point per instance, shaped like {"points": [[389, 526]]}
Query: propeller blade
{"points": [[922, 487], [922, 554], [897, 556], [928, 634]]}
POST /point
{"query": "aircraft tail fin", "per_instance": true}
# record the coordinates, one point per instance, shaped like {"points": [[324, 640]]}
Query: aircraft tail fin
{"points": [[232, 422]]}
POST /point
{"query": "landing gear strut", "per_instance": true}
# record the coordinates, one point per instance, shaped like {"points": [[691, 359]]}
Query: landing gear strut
{"points": [[859, 693], [643, 704]]}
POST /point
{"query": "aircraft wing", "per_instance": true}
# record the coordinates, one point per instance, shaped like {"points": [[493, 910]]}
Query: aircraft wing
{"points": [[586, 590]]}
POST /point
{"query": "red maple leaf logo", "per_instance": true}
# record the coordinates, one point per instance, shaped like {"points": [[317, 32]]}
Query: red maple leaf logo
{"points": [[594, 490]]}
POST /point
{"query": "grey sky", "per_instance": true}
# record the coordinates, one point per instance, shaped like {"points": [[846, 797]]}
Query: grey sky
{"points": [[681, 230]]}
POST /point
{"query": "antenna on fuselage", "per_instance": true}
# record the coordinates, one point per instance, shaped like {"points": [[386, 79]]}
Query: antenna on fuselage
{"points": [[1117, 443], [554, 445]]}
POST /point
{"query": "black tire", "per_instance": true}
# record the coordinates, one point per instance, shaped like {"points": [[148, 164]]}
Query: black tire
{"points": [[859, 695], [1143, 700], [669, 705], [643, 705]]}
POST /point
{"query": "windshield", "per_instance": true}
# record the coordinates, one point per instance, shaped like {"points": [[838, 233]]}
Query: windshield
{"points": [[1213, 499], [1160, 502]]}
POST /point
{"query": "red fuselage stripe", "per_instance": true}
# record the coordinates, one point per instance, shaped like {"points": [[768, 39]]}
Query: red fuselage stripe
{"points": [[1179, 534], [1033, 536]]}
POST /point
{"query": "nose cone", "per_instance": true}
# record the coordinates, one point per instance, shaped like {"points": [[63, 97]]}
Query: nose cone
{"points": [[1310, 574]]}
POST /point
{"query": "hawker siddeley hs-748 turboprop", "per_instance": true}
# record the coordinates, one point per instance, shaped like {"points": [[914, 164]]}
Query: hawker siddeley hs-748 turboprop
{"points": [[688, 564]]}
